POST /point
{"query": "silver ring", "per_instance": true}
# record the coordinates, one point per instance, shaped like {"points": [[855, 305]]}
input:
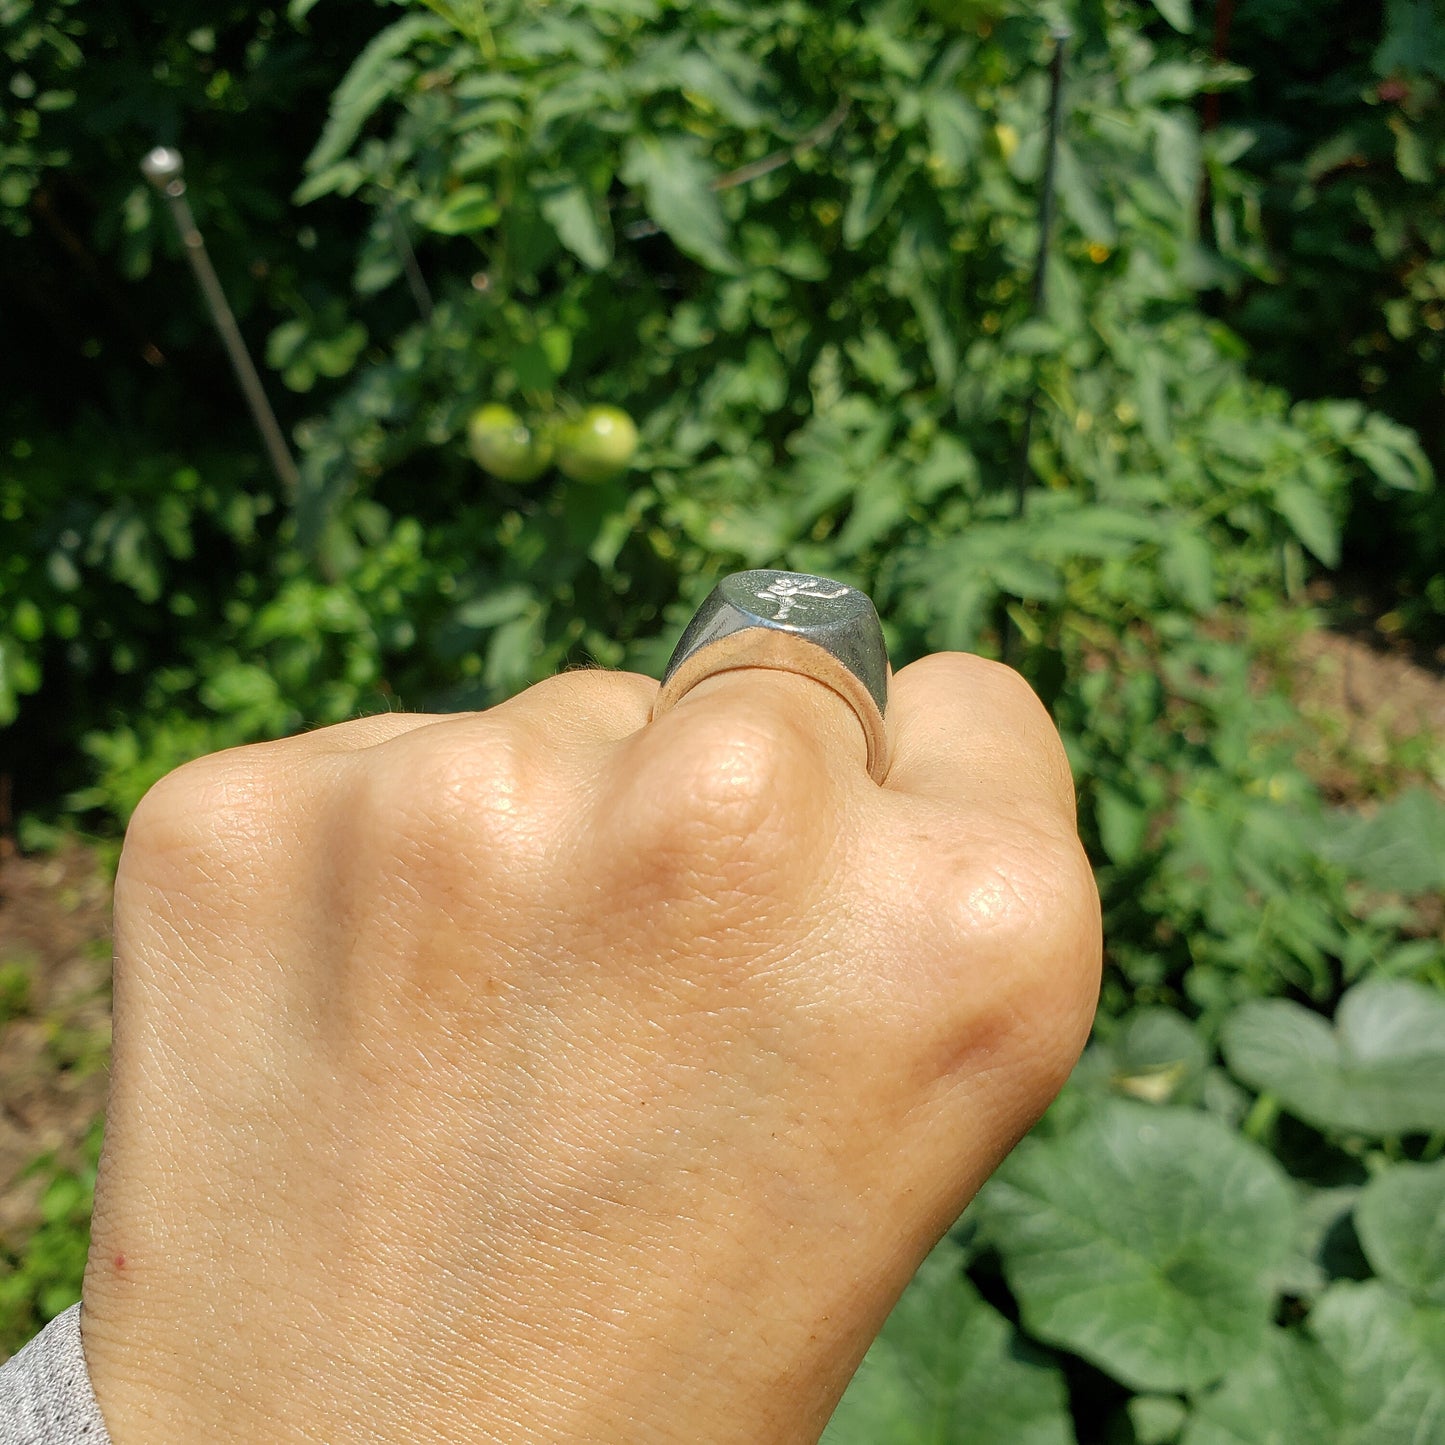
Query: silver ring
{"points": [[790, 622]]}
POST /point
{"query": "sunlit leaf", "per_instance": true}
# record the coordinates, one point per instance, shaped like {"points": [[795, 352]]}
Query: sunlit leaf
{"points": [[1144, 1240], [1380, 1070], [1401, 1222], [677, 187]]}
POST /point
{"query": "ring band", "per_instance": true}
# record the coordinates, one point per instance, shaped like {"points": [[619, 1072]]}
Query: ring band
{"points": [[790, 622]]}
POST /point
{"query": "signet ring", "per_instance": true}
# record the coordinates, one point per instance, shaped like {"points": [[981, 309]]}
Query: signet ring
{"points": [[790, 622]]}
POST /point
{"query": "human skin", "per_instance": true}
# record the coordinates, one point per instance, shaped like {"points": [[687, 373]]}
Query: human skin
{"points": [[546, 1074]]}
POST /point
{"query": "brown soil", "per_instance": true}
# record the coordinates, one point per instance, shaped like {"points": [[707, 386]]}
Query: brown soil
{"points": [[1378, 714]]}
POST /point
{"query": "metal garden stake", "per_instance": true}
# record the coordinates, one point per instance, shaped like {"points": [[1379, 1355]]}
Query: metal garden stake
{"points": [[163, 168]]}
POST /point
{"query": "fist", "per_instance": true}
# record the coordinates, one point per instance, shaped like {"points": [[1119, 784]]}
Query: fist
{"points": [[546, 1074]]}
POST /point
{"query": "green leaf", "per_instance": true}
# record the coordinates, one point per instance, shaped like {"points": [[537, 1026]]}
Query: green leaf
{"points": [[468, 17], [1157, 1056], [1414, 39], [514, 653], [506, 603], [1187, 565], [948, 1369], [466, 209], [955, 131], [377, 75], [1401, 1223], [1177, 13], [1310, 519], [1288, 1392], [1144, 1240], [1081, 201], [677, 185], [1390, 1356], [1156, 1419], [1393, 453], [1123, 822], [1379, 1071], [875, 193], [1400, 848], [581, 226]]}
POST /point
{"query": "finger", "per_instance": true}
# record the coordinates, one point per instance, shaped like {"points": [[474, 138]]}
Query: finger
{"points": [[359, 733], [586, 707], [964, 729], [588, 703], [744, 792], [799, 722]]}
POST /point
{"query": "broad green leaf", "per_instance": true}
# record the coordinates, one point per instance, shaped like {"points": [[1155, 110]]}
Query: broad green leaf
{"points": [[1390, 1356], [1398, 849], [948, 1369], [1379, 1071], [1287, 1393], [1144, 1240], [1311, 520], [1401, 1223], [1156, 1419], [580, 225], [677, 186], [1326, 1246]]}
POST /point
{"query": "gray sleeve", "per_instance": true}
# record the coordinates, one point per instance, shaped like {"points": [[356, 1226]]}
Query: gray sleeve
{"points": [[45, 1394]]}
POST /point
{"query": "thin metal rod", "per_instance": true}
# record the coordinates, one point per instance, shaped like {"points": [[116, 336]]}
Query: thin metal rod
{"points": [[1038, 294], [162, 167]]}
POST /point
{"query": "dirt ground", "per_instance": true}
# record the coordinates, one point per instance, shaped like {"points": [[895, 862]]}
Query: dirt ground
{"points": [[1379, 717]]}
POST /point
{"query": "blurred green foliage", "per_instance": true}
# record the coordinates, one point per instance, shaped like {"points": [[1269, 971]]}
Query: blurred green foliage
{"points": [[794, 241], [1348, 119], [42, 1277]]}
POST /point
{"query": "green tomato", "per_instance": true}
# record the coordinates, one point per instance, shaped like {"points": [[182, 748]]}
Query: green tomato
{"points": [[504, 445], [598, 445]]}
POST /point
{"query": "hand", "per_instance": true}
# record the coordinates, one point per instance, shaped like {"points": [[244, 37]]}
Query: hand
{"points": [[548, 1075]]}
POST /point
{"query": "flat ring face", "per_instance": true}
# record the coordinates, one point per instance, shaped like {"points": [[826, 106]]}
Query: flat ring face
{"points": [[792, 622]]}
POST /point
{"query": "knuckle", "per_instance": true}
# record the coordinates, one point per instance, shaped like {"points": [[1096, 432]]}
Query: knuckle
{"points": [[733, 772], [450, 797], [716, 806], [1030, 913], [210, 801]]}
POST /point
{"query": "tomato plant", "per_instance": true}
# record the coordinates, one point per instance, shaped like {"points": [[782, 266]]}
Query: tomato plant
{"points": [[760, 277]]}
